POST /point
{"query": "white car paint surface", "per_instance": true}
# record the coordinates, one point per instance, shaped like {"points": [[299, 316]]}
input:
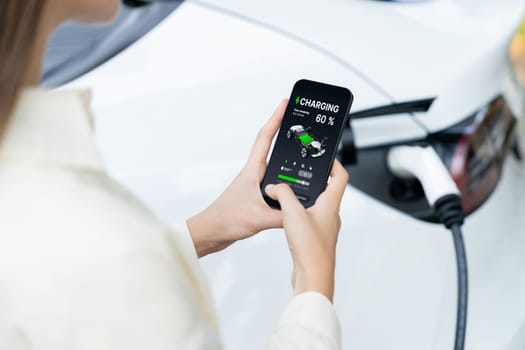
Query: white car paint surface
{"points": [[458, 47], [177, 113]]}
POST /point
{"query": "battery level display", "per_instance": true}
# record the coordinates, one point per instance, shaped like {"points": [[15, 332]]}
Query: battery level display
{"points": [[293, 180]]}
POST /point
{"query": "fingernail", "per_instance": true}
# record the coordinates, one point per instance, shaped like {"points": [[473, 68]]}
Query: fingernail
{"points": [[268, 188]]}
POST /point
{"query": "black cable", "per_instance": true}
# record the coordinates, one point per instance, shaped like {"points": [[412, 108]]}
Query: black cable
{"points": [[461, 262], [448, 210]]}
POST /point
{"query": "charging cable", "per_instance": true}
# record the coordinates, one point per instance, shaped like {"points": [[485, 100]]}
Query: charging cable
{"points": [[443, 195]]}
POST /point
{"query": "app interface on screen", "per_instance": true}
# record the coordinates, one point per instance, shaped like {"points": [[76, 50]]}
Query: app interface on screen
{"points": [[306, 143]]}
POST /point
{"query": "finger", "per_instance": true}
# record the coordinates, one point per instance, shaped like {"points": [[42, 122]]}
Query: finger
{"points": [[286, 198], [265, 136], [338, 180]]}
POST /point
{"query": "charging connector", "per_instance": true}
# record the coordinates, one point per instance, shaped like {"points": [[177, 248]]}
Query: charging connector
{"points": [[424, 164]]}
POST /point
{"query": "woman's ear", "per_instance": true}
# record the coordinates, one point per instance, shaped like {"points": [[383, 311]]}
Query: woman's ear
{"points": [[85, 11], [93, 11]]}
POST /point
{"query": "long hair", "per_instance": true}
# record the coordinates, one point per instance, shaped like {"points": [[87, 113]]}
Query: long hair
{"points": [[19, 23]]}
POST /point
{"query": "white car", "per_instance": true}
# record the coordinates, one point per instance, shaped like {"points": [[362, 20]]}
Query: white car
{"points": [[175, 81], [308, 143]]}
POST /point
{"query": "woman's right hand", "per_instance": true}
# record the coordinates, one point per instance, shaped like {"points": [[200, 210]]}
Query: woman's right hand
{"points": [[312, 233]]}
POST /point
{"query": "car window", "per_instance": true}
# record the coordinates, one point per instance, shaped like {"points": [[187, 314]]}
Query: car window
{"points": [[76, 49]]}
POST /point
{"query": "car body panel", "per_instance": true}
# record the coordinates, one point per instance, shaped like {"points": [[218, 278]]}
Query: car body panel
{"points": [[266, 63], [458, 47], [203, 73]]}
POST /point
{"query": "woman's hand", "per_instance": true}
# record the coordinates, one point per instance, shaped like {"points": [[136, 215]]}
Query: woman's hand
{"points": [[312, 233], [240, 212]]}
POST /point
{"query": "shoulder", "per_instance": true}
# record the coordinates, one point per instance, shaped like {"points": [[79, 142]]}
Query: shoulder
{"points": [[64, 211], [79, 249]]}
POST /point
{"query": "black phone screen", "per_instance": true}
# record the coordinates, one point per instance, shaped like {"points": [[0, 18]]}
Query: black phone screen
{"points": [[307, 141]]}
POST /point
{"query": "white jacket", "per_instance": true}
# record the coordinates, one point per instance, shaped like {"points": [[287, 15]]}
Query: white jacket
{"points": [[84, 265]]}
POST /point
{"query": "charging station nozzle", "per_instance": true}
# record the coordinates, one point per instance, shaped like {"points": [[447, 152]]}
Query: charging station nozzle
{"points": [[424, 164]]}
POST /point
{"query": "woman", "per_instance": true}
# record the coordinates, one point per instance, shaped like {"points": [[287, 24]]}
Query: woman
{"points": [[83, 265]]}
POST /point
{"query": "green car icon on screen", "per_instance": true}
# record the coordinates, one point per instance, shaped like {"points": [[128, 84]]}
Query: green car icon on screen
{"points": [[310, 145]]}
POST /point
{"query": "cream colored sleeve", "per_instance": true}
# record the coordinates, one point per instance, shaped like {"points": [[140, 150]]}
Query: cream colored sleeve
{"points": [[309, 322]]}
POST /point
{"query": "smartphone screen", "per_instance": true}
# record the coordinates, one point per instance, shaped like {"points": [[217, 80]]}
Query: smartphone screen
{"points": [[307, 141]]}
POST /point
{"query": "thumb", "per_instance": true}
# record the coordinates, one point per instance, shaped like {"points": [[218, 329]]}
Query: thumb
{"points": [[286, 198]]}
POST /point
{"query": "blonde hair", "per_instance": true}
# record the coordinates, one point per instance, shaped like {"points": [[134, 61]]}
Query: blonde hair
{"points": [[19, 24]]}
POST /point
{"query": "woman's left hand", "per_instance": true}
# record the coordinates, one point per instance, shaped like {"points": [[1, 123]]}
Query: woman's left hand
{"points": [[240, 212]]}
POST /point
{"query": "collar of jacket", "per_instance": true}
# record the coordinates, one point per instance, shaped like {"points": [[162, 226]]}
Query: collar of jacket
{"points": [[52, 127]]}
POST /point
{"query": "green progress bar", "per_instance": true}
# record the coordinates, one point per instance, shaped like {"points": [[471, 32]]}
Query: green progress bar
{"points": [[287, 178]]}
